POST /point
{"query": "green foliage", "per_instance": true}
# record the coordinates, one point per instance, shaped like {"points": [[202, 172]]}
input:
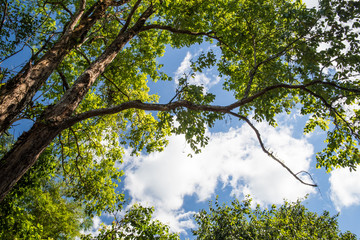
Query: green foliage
{"points": [[137, 223], [18, 23], [38, 208], [289, 221], [87, 163], [270, 59]]}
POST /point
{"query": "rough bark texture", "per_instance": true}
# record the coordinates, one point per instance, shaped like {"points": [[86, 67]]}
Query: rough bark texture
{"points": [[30, 145], [18, 91]]}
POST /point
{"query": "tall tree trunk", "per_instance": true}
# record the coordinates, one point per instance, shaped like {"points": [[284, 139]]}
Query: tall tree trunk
{"points": [[16, 94], [30, 145]]}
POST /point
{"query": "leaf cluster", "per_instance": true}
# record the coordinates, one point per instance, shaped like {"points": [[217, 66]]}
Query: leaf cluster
{"points": [[289, 221]]}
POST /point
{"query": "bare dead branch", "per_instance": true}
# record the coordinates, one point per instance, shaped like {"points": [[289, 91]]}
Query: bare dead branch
{"points": [[269, 153]]}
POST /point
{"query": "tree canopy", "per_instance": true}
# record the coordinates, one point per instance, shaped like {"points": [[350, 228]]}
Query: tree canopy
{"points": [[137, 223], [85, 85], [289, 221]]}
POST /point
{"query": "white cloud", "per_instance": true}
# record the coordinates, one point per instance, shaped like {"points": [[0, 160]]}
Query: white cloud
{"points": [[345, 188], [232, 159], [184, 66], [94, 229], [199, 79], [311, 3]]}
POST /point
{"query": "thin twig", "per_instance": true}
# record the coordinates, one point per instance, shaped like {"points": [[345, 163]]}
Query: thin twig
{"points": [[4, 15], [78, 155], [62, 156]]}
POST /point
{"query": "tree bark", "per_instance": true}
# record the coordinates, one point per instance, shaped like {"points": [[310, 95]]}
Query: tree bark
{"points": [[18, 91], [30, 145]]}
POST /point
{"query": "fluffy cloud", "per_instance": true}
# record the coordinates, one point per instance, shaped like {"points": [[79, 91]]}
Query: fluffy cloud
{"points": [[94, 229], [344, 187], [311, 3], [233, 159], [199, 79]]}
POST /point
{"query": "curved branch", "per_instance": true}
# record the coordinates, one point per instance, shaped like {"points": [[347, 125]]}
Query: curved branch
{"points": [[78, 154], [20, 89], [197, 107], [187, 104], [269, 153], [143, 106], [171, 106], [62, 156]]}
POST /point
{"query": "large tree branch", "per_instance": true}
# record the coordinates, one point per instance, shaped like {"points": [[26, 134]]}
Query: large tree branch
{"points": [[18, 91], [76, 17], [187, 104], [147, 107], [31, 144], [72, 98], [103, 74], [172, 106]]}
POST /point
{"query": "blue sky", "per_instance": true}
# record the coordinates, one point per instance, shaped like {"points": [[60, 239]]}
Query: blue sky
{"points": [[233, 164]]}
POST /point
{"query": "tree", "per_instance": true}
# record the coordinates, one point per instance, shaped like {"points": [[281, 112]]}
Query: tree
{"points": [[38, 207], [289, 221], [137, 223], [85, 84]]}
